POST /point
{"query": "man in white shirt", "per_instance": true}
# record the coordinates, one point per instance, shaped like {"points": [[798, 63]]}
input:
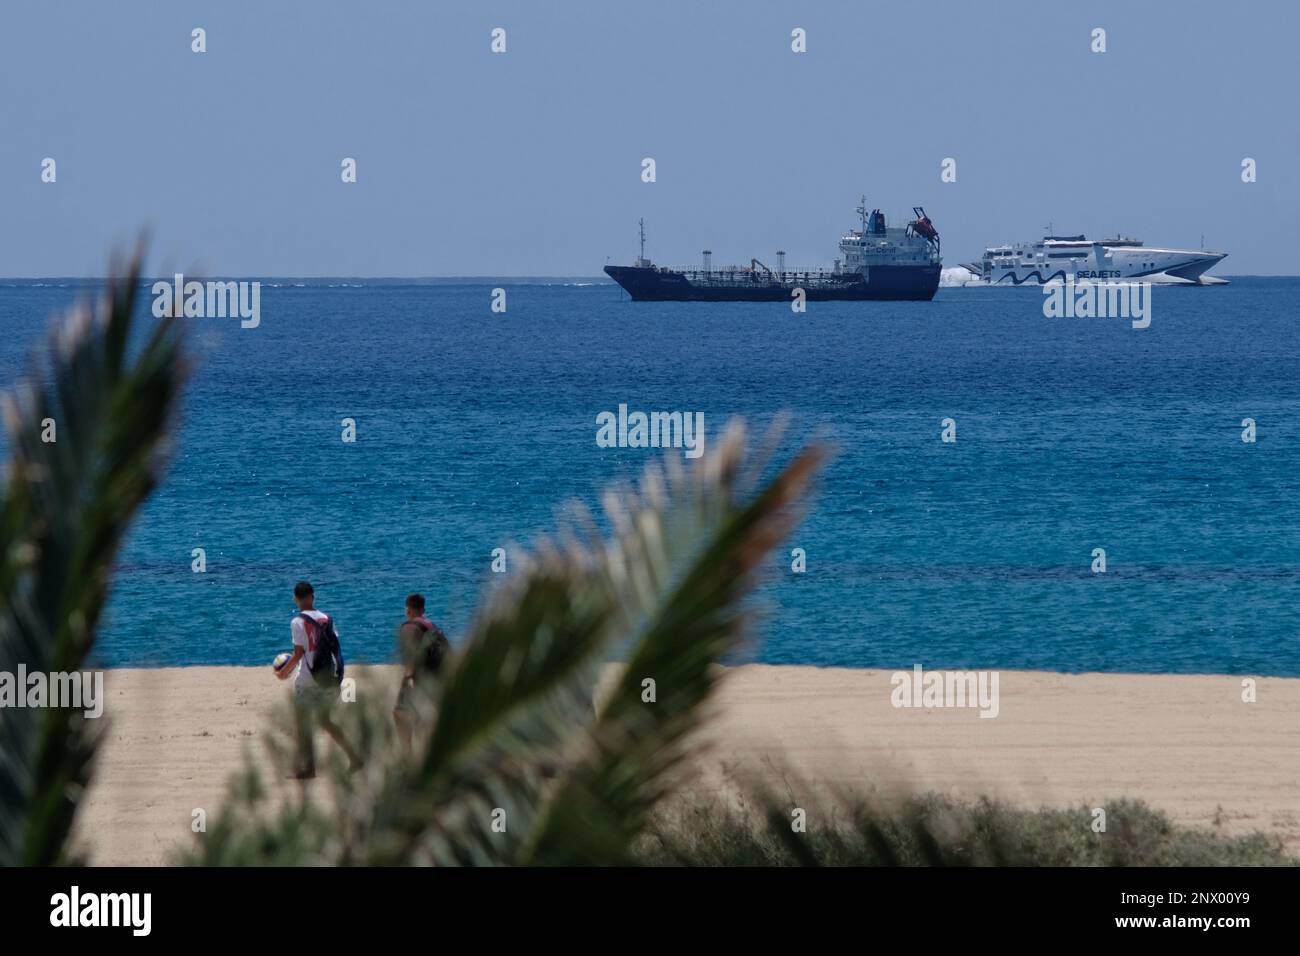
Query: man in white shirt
{"points": [[312, 701]]}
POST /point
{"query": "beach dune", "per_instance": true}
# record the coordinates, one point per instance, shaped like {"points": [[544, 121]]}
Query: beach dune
{"points": [[1188, 745]]}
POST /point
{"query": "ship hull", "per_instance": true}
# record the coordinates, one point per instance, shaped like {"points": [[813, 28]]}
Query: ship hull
{"points": [[881, 283]]}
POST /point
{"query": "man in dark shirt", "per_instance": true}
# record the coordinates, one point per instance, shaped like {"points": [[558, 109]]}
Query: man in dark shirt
{"points": [[424, 649]]}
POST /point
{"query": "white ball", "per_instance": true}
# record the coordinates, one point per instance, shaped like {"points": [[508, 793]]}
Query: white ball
{"points": [[281, 659]]}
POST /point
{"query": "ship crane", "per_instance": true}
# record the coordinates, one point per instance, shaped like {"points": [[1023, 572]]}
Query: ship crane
{"points": [[923, 227]]}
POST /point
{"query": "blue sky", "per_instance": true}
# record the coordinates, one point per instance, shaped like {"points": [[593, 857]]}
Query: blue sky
{"points": [[529, 162]]}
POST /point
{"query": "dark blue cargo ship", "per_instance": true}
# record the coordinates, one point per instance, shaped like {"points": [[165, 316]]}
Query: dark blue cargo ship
{"points": [[880, 262]]}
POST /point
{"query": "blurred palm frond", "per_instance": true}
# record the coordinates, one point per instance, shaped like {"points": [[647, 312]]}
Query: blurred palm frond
{"points": [[67, 505], [683, 573]]}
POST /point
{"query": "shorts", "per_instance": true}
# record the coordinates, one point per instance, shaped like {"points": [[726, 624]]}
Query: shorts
{"points": [[314, 696]]}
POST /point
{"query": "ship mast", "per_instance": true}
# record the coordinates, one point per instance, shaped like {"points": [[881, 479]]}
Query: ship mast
{"points": [[862, 211], [643, 238]]}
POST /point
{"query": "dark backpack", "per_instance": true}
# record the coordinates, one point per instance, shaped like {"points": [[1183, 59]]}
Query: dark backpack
{"points": [[325, 659], [435, 644]]}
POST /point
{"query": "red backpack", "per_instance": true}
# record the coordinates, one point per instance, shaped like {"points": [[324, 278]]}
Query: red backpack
{"points": [[324, 658], [436, 645]]}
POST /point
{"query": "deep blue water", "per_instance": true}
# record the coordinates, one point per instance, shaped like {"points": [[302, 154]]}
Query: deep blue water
{"points": [[473, 427]]}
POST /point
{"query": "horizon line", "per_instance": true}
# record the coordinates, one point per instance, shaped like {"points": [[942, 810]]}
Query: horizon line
{"points": [[311, 278], [603, 279]]}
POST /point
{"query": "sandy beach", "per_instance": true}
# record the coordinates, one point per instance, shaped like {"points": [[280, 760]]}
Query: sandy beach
{"points": [[1186, 744]]}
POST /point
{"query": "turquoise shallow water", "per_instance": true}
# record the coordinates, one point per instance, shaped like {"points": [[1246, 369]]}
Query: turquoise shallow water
{"points": [[473, 426]]}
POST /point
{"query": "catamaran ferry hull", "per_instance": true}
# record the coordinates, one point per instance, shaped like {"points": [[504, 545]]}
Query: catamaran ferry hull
{"points": [[913, 283], [1076, 259]]}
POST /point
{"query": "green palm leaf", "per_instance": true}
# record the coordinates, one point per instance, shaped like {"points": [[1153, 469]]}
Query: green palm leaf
{"points": [[66, 508], [687, 570]]}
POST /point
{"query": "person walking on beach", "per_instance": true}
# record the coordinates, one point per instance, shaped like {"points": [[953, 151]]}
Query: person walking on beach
{"points": [[319, 667], [424, 650]]}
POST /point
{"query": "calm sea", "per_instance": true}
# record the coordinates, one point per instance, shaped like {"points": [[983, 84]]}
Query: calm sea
{"points": [[473, 426]]}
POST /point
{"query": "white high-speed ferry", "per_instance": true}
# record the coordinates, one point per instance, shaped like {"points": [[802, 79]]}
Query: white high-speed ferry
{"points": [[1058, 258]]}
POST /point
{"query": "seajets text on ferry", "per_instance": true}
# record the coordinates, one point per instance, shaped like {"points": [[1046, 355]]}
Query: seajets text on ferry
{"points": [[683, 430], [210, 300], [1102, 300]]}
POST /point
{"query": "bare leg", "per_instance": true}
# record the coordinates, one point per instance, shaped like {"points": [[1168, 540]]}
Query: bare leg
{"points": [[403, 722], [336, 732], [305, 762]]}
